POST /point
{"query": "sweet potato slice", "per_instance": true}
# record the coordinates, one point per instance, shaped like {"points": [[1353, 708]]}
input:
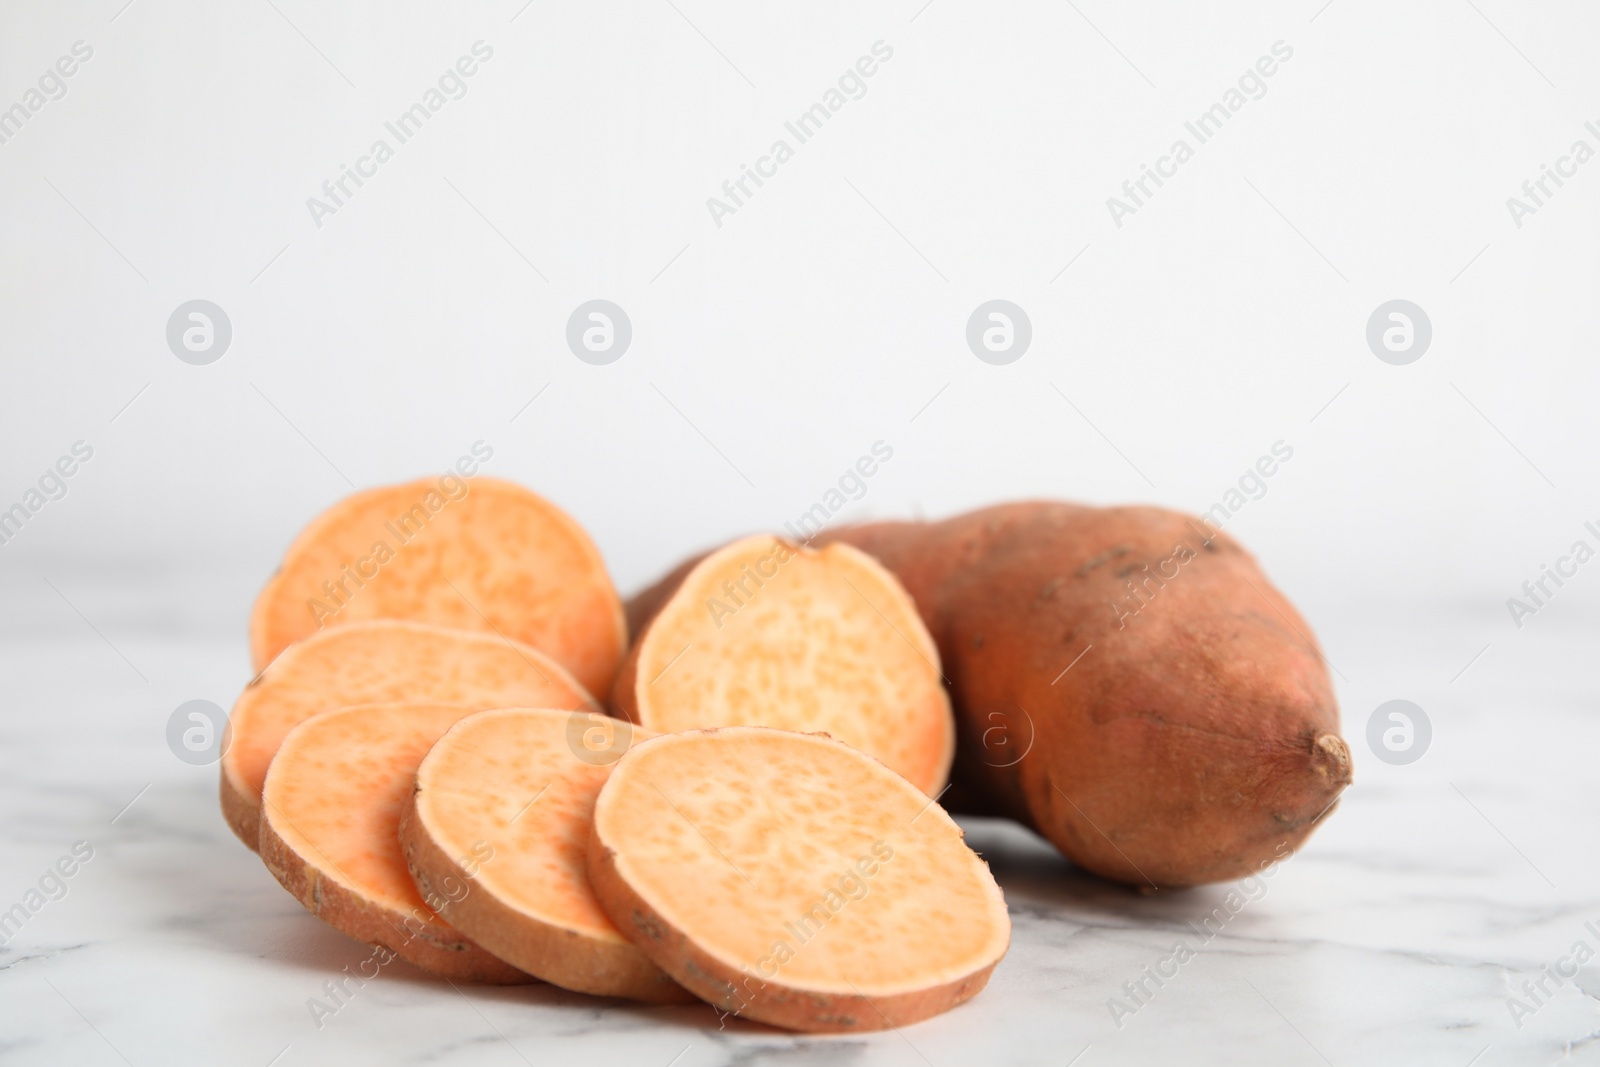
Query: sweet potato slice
{"points": [[767, 633], [332, 808], [375, 662], [496, 830], [794, 880], [476, 554]]}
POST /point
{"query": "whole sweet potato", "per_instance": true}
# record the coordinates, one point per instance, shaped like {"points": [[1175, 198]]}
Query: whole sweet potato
{"points": [[1126, 682]]}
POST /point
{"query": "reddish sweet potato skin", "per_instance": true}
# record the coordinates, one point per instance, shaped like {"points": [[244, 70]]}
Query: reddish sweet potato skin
{"points": [[1195, 740]]}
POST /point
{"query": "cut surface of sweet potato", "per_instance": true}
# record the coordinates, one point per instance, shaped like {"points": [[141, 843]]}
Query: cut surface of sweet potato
{"points": [[497, 830], [375, 662], [330, 832], [471, 553], [768, 633], [794, 880]]}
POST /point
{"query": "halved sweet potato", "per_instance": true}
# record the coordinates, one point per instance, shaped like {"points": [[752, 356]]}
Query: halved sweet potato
{"points": [[496, 830], [794, 880], [330, 832], [1126, 681], [375, 662], [472, 553], [767, 633]]}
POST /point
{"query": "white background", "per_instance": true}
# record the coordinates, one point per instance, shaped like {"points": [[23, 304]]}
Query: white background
{"points": [[805, 328], [828, 313]]}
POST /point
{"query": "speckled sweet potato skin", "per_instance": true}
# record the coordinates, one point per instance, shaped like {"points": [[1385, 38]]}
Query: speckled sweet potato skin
{"points": [[1126, 682]]}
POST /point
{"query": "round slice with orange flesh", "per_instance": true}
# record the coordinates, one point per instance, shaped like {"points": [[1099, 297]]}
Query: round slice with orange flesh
{"points": [[497, 829], [768, 633], [471, 553], [375, 662], [794, 880], [330, 833]]}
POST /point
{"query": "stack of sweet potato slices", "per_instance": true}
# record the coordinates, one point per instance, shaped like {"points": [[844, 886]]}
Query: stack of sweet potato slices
{"points": [[423, 762]]}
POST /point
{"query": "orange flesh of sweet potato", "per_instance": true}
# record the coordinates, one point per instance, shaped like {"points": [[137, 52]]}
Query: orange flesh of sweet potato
{"points": [[375, 662], [496, 831], [794, 880], [765, 633], [496, 558], [332, 808]]}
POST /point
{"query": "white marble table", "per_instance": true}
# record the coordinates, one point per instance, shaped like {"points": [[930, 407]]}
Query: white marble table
{"points": [[1397, 936]]}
